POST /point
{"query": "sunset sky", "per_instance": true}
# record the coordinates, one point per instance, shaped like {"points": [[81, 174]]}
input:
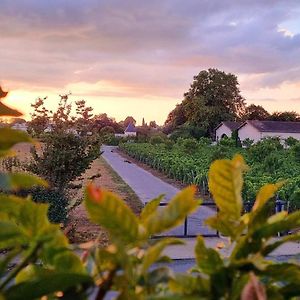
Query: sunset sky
{"points": [[139, 57]]}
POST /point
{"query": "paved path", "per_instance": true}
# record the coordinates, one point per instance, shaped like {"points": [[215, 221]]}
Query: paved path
{"points": [[148, 187]]}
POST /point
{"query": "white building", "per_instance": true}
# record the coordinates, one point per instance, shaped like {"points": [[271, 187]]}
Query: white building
{"points": [[129, 131], [225, 129], [20, 126], [257, 130]]}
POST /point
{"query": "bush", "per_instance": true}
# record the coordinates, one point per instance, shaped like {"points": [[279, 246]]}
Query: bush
{"points": [[58, 202], [190, 146], [64, 157], [156, 139]]}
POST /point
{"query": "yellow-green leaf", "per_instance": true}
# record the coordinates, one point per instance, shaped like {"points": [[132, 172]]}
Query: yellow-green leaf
{"points": [[151, 207], [265, 193], [33, 218], [10, 235], [208, 259], [15, 181], [10, 137], [69, 261], [109, 211], [155, 251], [174, 213], [225, 183]]}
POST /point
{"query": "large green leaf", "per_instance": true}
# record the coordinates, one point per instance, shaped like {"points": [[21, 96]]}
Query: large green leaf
{"points": [[190, 286], [109, 211], [259, 212], [10, 235], [208, 259], [47, 284], [257, 240], [154, 252], [225, 183], [174, 213], [33, 218], [68, 260], [150, 207], [10, 137], [15, 181], [10, 206]]}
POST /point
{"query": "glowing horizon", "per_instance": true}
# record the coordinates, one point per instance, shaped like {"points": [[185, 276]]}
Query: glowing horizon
{"points": [[135, 58]]}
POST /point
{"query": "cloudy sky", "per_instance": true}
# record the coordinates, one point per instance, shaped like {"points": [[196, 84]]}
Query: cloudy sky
{"points": [[139, 57]]}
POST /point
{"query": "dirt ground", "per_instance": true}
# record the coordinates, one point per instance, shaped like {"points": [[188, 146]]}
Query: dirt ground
{"points": [[79, 229]]}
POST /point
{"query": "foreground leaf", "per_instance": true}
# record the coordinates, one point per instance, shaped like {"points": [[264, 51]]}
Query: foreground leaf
{"points": [[16, 181], [7, 111], [45, 285], [109, 211], [174, 213], [208, 259], [10, 137], [154, 252]]}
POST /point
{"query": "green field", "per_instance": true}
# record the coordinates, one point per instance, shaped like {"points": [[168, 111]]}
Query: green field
{"points": [[188, 161]]}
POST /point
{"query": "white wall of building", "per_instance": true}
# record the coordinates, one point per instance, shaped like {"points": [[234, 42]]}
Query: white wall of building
{"points": [[223, 129], [130, 133], [20, 126], [281, 135], [250, 132]]}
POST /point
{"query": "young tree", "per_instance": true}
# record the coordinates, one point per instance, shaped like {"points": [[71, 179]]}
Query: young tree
{"points": [[291, 116], [129, 120], [255, 112], [213, 97], [40, 118], [176, 117], [83, 120]]}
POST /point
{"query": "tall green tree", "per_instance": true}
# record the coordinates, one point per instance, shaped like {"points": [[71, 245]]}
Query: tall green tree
{"points": [[176, 118], [214, 96], [255, 112], [291, 116]]}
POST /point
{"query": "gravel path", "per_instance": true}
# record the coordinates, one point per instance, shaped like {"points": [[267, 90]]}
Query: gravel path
{"points": [[147, 187]]}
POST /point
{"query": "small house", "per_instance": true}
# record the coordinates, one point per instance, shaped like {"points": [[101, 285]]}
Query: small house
{"points": [[130, 130], [225, 129], [257, 130], [20, 125]]}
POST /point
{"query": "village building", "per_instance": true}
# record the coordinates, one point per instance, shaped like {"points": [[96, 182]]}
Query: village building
{"points": [[225, 129], [20, 124], [129, 131], [257, 130]]}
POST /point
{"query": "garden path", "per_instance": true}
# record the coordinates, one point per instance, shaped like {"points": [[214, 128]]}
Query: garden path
{"points": [[147, 187]]}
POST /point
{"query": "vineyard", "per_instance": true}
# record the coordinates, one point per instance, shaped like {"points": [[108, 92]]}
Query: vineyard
{"points": [[188, 161]]}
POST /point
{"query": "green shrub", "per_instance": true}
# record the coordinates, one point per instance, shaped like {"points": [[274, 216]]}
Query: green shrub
{"points": [[58, 202], [156, 139], [63, 158], [190, 146]]}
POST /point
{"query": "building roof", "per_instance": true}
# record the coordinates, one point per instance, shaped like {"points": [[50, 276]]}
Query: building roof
{"points": [[230, 124], [130, 128], [274, 126]]}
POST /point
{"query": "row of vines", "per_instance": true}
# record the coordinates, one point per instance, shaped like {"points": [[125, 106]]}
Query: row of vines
{"points": [[188, 161]]}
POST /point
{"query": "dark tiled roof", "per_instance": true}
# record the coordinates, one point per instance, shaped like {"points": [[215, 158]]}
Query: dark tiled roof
{"points": [[130, 128], [275, 126], [230, 124]]}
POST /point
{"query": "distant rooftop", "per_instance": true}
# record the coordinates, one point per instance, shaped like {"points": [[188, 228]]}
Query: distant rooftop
{"points": [[230, 124], [274, 126], [130, 128]]}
